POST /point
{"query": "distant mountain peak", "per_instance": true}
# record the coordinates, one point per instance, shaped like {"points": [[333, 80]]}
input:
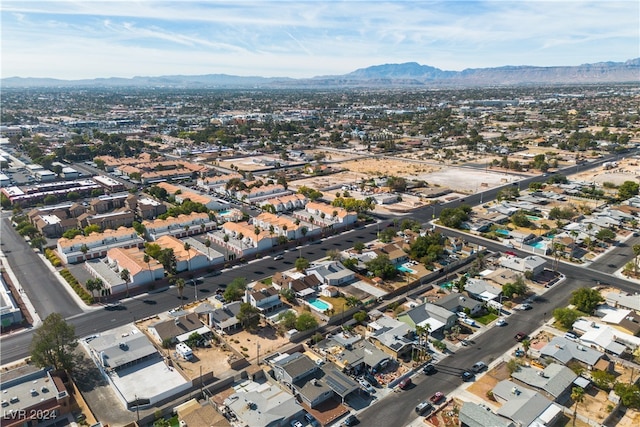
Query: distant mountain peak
{"points": [[376, 76]]}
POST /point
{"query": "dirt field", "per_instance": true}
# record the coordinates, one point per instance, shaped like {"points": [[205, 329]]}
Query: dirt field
{"points": [[246, 343], [627, 170]]}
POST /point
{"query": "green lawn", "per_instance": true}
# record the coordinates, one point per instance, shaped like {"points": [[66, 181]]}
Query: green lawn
{"points": [[486, 319]]}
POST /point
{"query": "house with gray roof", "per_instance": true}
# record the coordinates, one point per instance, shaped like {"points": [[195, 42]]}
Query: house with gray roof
{"points": [[474, 415], [525, 407], [332, 273], [455, 303], [221, 319], [437, 317], [357, 357], [482, 290], [617, 299], [564, 351], [392, 336], [118, 352], [532, 263], [181, 326], [555, 381], [267, 405], [311, 383]]}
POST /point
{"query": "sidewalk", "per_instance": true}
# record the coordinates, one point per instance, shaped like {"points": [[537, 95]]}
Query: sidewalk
{"points": [[23, 295]]}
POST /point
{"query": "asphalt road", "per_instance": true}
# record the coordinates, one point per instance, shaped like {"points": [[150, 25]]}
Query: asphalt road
{"points": [[616, 258], [45, 292], [16, 346], [398, 409]]}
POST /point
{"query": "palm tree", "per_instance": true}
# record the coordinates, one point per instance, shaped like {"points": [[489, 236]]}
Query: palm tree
{"points": [[84, 249], [256, 231], [226, 249], [207, 243], [577, 395], [526, 345], [636, 253], [147, 259], [98, 284], [126, 276], [180, 283], [187, 248]]}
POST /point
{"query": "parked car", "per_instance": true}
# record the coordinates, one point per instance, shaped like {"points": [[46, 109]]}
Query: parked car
{"points": [[466, 376], [365, 385], [424, 408], [525, 306], [469, 322], [405, 383], [437, 397], [429, 369], [571, 336], [278, 257], [501, 322], [478, 367], [520, 336], [296, 423], [351, 420]]}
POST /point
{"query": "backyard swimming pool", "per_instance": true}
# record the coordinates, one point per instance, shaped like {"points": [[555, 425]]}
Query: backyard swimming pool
{"points": [[405, 269], [540, 245], [503, 232], [319, 305], [447, 285], [533, 218], [224, 212]]}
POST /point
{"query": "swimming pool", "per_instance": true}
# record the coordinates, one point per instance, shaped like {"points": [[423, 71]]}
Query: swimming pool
{"points": [[405, 269], [224, 212], [533, 218], [319, 305], [540, 245], [447, 285], [503, 232]]}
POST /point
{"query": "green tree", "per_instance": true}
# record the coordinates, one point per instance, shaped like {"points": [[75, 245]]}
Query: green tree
{"points": [[288, 319], [636, 254], [454, 217], [577, 395], [353, 301], [586, 299], [520, 219], [180, 284], [235, 289], [360, 316], [302, 264], [603, 380], [288, 294], [167, 258], [382, 267], [605, 234], [71, 233], [566, 316], [358, 246], [125, 276], [248, 316], [306, 321], [54, 344], [629, 394], [93, 228], [627, 190]]}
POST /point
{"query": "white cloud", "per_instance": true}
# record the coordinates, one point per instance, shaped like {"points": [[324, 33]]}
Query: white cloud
{"points": [[308, 38]]}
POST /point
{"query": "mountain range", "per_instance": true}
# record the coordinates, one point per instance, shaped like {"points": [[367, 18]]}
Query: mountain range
{"points": [[410, 74]]}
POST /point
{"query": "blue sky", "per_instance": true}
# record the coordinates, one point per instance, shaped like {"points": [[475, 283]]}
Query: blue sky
{"points": [[306, 38]]}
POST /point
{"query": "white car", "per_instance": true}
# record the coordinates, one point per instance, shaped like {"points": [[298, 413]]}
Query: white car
{"points": [[501, 322]]}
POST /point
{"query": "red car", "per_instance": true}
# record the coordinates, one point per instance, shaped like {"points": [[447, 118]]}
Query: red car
{"points": [[520, 336], [436, 398], [405, 383]]}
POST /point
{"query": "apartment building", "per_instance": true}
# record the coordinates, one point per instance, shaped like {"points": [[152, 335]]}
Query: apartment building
{"points": [[180, 226], [96, 245]]}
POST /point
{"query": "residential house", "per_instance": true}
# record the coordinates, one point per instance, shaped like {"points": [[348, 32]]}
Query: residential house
{"points": [[455, 303], [354, 358], [222, 319], [282, 226], [332, 273], [191, 259], [532, 263], [180, 226], [267, 405], [302, 285], [437, 318], [392, 336], [605, 338], [555, 381], [177, 329], [266, 300], [311, 383], [96, 245], [564, 351], [285, 203], [119, 259], [623, 300], [328, 215], [395, 253], [525, 407], [482, 290], [478, 415]]}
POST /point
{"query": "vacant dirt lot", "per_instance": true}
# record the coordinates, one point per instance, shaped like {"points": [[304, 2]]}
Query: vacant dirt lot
{"points": [[626, 170], [246, 343]]}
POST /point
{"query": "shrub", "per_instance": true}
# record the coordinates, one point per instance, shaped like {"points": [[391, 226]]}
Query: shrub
{"points": [[75, 285]]}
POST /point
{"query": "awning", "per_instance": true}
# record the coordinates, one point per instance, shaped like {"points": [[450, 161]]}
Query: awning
{"points": [[202, 330]]}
